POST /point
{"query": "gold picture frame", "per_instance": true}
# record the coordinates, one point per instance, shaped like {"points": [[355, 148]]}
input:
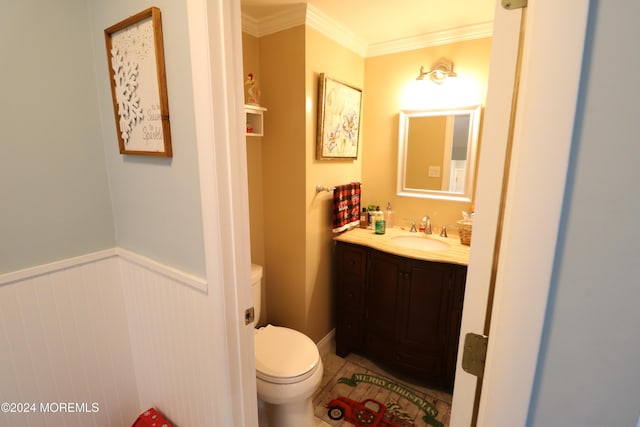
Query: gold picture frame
{"points": [[339, 110], [135, 55]]}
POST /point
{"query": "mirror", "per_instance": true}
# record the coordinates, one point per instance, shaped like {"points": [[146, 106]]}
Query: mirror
{"points": [[437, 153]]}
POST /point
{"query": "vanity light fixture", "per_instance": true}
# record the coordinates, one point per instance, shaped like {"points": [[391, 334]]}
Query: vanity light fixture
{"points": [[438, 72]]}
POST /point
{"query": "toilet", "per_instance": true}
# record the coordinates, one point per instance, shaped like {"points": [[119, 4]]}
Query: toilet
{"points": [[288, 369]]}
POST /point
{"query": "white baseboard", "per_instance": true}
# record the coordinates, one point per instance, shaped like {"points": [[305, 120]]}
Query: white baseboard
{"points": [[327, 344]]}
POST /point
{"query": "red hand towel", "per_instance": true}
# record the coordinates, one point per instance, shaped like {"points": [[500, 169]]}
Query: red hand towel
{"points": [[346, 206]]}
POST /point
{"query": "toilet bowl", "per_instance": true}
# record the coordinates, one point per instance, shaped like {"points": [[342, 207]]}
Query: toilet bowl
{"points": [[288, 369], [288, 372]]}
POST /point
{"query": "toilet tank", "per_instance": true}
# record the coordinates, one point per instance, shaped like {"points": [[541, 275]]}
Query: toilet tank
{"points": [[256, 289]]}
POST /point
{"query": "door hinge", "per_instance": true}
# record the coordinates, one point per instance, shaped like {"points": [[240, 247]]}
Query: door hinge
{"points": [[514, 4], [474, 354], [249, 315]]}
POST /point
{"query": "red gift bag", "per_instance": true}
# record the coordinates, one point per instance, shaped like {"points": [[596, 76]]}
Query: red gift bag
{"points": [[151, 418]]}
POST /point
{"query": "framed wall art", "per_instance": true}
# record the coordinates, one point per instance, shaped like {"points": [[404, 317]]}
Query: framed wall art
{"points": [[339, 107], [135, 55]]}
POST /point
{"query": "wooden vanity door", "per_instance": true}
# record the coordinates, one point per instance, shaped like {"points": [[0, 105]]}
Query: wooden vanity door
{"points": [[413, 313], [382, 306], [423, 329]]}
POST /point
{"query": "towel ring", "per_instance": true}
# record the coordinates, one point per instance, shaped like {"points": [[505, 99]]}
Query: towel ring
{"points": [[321, 188]]}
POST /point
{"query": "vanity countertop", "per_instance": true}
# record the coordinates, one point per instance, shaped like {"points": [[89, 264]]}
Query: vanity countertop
{"points": [[456, 253]]}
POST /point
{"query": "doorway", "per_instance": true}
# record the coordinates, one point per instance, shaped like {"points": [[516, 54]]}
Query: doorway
{"points": [[535, 117]]}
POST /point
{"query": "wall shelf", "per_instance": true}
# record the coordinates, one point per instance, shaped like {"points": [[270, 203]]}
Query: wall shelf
{"points": [[254, 120]]}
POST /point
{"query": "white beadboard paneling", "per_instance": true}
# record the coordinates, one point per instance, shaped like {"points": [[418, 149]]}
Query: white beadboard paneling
{"points": [[114, 328], [172, 344], [164, 270], [64, 338]]}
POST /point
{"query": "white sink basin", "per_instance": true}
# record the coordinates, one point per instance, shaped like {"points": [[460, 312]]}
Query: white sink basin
{"points": [[419, 242]]}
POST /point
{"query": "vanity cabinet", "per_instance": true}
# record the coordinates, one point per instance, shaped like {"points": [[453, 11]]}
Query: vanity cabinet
{"points": [[401, 312]]}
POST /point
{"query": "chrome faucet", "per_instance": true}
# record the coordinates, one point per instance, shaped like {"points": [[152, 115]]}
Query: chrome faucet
{"points": [[427, 224]]}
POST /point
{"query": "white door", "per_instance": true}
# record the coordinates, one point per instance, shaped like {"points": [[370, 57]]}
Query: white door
{"points": [[502, 74], [541, 134]]}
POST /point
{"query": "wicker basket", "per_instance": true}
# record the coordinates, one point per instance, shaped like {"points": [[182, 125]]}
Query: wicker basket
{"points": [[464, 230]]}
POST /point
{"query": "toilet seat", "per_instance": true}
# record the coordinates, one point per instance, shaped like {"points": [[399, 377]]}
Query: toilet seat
{"points": [[284, 356]]}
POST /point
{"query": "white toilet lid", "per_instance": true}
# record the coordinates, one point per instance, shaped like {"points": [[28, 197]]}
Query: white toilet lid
{"points": [[284, 355]]}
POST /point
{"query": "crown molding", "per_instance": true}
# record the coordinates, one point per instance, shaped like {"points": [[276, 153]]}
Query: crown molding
{"points": [[335, 31], [303, 14], [250, 25], [437, 38], [279, 21]]}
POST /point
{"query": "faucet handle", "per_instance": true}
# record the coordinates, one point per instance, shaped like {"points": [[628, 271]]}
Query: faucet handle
{"points": [[413, 227], [443, 233]]}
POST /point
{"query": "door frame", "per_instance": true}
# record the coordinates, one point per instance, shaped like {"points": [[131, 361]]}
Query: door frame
{"points": [[542, 135], [216, 60]]}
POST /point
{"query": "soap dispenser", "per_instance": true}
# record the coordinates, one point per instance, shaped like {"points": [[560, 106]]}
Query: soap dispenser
{"points": [[389, 216]]}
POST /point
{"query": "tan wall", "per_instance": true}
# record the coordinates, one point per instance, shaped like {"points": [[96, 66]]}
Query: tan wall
{"points": [[251, 64], [387, 79], [323, 55], [291, 224], [283, 152]]}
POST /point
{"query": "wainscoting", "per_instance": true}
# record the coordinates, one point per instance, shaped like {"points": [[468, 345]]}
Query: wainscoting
{"points": [[173, 342], [110, 328], [64, 338]]}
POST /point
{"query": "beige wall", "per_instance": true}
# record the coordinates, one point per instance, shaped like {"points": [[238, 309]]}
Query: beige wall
{"points": [[282, 75], [251, 64], [387, 79], [290, 223], [324, 56]]}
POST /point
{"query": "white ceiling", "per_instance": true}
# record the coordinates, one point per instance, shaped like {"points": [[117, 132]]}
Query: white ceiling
{"points": [[381, 21]]}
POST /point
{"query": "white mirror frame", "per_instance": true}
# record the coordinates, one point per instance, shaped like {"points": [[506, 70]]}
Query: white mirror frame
{"points": [[474, 126]]}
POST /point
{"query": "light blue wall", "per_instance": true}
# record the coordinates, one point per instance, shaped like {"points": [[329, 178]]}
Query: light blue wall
{"points": [[64, 188], [54, 196], [156, 201], [589, 373]]}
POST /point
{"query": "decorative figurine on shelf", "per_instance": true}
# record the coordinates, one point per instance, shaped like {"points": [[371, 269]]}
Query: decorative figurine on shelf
{"points": [[253, 92]]}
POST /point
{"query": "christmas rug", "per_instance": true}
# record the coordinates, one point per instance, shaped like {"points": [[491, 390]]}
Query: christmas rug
{"points": [[360, 397]]}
